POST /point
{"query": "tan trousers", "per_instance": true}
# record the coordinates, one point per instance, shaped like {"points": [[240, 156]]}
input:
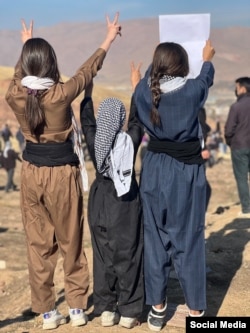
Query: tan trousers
{"points": [[52, 213]]}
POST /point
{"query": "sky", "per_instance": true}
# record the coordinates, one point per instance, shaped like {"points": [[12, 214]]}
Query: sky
{"points": [[223, 13]]}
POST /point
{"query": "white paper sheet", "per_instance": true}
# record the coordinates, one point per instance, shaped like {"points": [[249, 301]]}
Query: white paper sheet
{"points": [[189, 30]]}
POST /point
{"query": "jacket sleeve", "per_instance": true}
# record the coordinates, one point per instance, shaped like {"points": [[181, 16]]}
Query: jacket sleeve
{"points": [[135, 127], [230, 125], [83, 76], [15, 88], [88, 124], [205, 79]]}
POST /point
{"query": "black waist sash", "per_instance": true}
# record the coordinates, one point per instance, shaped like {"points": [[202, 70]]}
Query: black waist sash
{"points": [[50, 154], [187, 152]]}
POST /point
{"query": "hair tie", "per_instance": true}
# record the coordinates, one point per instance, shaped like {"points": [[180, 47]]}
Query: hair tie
{"points": [[33, 92]]}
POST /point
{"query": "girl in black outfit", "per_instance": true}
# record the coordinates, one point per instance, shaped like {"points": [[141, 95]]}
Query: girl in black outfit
{"points": [[114, 211]]}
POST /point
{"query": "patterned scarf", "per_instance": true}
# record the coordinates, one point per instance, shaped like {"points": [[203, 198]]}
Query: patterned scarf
{"points": [[77, 143], [170, 83], [114, 148]]}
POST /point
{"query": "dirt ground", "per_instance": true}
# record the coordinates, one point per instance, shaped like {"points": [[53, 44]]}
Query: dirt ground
{"points": [[228, 263]]}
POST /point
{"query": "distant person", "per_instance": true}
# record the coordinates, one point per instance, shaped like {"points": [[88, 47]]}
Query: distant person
{"points": [[173, 180], [237, 136], [51, 182], [114, 211], [6, 133], [21, 139], [8, 160], [205, 153]]}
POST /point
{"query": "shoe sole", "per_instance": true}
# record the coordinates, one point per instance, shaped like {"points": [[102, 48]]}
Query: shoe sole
{"points": [[52, 326], [154, 328], [109, 323], [127, 325], [79, 322]]}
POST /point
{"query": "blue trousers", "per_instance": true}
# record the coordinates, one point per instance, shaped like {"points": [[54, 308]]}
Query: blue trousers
{"points": [[174, 204]]}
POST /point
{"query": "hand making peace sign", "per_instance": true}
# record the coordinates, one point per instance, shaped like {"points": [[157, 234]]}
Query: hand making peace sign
{"points": [[26, 33]]}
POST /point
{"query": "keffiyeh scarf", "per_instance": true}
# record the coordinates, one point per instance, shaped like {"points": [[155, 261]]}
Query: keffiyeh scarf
{"points": [[34, 83], [77, 142], [114, 150], [170, 83]]}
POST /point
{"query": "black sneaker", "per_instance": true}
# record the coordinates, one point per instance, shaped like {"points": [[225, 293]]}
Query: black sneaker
{"points": [[156, 318]]}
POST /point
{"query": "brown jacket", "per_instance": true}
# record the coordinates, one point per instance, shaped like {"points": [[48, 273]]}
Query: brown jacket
{"points": [[56, 100]]}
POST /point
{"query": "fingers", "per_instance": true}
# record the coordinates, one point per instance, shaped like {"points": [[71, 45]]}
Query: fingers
{"points": [[107, 20], [139, 66], [133, 68], [23, 25], [31, 25], [114, 23], [116, 18], [26, 32], [210, 46], [208, 51]]}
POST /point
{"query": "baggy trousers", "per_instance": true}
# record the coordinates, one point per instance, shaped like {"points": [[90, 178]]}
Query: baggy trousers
{"points": [[52, 213], [174, 202], [117, 239]]}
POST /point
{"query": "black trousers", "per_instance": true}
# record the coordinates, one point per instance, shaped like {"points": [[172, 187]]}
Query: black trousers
{"points": [[10, 176], [117, 239]]}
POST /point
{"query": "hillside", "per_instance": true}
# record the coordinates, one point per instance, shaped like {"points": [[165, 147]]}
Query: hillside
{"points": [[74, 43]]}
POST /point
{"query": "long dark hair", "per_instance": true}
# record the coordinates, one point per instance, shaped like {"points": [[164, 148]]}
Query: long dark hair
{"points": [[169, 59], [38, 58]]}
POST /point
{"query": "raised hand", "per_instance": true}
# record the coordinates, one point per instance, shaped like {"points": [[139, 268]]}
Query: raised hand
{"points": [[208, 51], [114, 28], [26, 33], [135, 74]]}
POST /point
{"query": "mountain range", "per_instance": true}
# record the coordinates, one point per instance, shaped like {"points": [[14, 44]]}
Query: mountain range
{"points": [[75, 42]]}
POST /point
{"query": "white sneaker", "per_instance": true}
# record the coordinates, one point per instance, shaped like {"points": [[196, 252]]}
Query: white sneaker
{"points": [[128, 322], [53, 319], [109, 318], [78, 317]]}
